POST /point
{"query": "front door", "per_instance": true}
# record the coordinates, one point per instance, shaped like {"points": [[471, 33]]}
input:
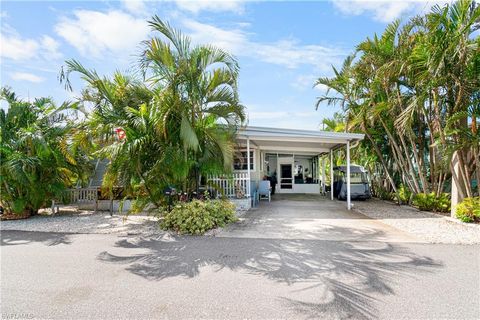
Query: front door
{"points": [[286, 177]]}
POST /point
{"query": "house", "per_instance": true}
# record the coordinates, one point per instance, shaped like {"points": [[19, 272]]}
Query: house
{"points": [[296, 157]]}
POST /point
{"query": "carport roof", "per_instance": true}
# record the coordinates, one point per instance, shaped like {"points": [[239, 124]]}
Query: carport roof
{"points": [[297, 141]]}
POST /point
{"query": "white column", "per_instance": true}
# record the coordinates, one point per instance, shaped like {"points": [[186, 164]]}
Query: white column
{"points": [[261, 161], [331, 175], [349, 202], [324, 175], [248, 165]]}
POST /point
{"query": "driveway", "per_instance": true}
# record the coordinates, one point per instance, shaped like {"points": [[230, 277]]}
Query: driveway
{"points": [[313, 217], [106, 276], [288, 259]]}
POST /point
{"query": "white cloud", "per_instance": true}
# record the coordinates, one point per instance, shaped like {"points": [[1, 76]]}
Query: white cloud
{"points": [[15, 47], [135, 6], [25, 76], [94, 33], [196, 6], [291, 54], [287, 52], [385, 11], [50, 48], [234, 40]]}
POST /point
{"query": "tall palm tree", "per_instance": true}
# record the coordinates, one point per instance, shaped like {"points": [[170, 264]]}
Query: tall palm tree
{"points": [[413, 91], [197, 85]]}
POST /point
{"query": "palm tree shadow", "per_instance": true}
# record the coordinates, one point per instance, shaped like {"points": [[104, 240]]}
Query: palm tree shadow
{"points": [[14, 238], [351, 272]]}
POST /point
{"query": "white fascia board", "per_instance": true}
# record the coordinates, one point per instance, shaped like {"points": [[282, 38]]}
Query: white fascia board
{"points": [[278, 149], [276, 132]]}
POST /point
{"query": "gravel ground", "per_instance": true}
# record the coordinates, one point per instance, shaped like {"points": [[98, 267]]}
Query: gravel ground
{"points": [[70, 220], [73, 221], [431, 227]]}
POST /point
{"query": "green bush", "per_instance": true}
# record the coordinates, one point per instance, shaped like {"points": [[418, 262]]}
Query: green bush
{"points": [[404, 194], [424, 201], [432, 202], [443, 203], [468, 210], [197, 217], [384, 194]]}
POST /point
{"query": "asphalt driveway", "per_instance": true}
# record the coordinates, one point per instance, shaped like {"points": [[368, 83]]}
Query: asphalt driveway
{"points": [[96, 276], [301, 216]]}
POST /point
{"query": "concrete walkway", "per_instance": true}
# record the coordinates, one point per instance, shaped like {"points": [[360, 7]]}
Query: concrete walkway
{"points": [[311, 217]]}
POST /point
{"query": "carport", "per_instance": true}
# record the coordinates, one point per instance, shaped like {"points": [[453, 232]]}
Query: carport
{"points": [[260, 143]]}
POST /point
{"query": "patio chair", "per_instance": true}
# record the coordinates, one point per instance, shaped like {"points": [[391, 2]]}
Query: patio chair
{"points": [[264, 190], [254, 193]]}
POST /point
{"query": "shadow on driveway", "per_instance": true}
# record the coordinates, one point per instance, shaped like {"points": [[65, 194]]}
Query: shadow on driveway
{"points": [[345, 276], [13, 238]]}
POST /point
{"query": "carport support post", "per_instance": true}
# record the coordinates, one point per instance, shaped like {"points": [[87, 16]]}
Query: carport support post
{"points": [[349, 202], [248, 166], [323, 175], [331, 174]]}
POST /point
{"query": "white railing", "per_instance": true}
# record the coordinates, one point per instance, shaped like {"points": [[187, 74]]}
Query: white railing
{"points": [[75, 197], [235, 185], [82, 195]]}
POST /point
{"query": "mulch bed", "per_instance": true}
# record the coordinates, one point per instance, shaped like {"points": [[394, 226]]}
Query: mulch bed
{"points": [[12, 216]]}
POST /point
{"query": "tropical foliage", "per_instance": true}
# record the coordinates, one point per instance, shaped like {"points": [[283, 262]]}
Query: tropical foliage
{"points": [[468, 210], [178, 118], [197, 217], [39, 159], [432, 202], [414, 91]]}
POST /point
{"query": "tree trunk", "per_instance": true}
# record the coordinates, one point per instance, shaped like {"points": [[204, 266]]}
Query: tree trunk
{"points": [[380, 157]]}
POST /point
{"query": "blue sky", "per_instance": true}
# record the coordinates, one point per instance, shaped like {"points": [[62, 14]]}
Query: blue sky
{"points": [[282, 46]]}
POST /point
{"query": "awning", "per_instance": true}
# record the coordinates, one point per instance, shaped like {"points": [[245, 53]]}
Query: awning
{"points": [[303, 142], [296, 141]]}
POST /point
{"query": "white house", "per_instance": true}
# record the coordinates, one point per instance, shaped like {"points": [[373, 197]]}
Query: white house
{"points": [[295, 156]]}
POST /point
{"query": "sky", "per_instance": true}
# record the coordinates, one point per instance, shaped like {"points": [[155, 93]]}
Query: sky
{"points": [[282, 46]]}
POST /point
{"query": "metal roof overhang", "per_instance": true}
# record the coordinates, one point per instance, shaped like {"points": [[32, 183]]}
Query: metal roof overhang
{"points": [[296, 141]]}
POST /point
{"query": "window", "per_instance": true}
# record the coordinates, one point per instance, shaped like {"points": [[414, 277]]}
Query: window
{"points": [[240, 160]]}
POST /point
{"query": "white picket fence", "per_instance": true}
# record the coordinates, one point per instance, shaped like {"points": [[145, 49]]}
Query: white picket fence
{"points": [[236, 185]]}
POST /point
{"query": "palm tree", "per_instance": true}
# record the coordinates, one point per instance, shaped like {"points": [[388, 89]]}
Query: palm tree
{"points": [[38, 159], [197, 86], [179, 119], [413, 90]]}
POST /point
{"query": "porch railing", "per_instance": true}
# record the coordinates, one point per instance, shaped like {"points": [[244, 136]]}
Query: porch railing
{"points": [[75, 197], [235, 185], [82, 195]]}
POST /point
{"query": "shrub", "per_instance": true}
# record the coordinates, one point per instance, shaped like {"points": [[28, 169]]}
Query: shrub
{"points": [[404, 194], [383, 194], [432, 202], [468, 210], [197, 217], [443, 203], [424, 201]]}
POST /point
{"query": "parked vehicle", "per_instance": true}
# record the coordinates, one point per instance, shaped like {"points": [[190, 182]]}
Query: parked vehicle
{"points": [[359, 183]]}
